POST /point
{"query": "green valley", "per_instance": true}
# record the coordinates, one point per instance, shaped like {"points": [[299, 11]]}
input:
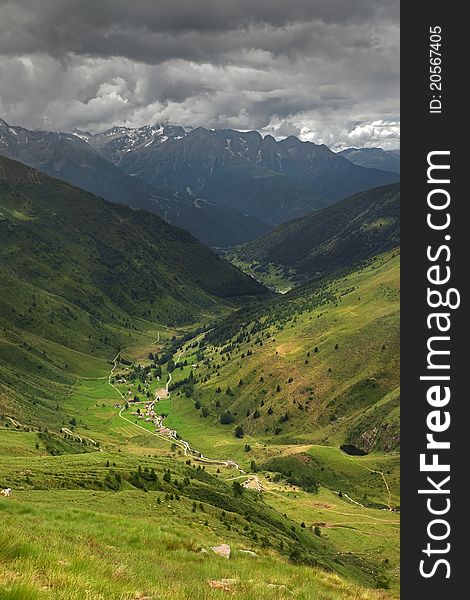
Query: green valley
{"points": [[85, 277], [171, 429], [317, 368]]}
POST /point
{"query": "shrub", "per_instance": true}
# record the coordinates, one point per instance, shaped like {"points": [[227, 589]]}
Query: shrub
{"points": [[238, 489], [226, 418], [382, 582]]}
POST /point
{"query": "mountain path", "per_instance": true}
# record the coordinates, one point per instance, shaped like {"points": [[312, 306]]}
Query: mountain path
{"points": [[389, 493]]}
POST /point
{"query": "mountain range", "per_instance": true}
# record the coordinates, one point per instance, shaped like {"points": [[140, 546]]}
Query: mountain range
{"points": [[226, 187], [272, 180], [72, 159]]}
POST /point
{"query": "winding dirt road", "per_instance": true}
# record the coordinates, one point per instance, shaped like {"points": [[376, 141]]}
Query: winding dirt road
{"points": [[178, 441]]}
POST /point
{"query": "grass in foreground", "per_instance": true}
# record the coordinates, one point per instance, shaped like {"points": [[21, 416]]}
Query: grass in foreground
{"points": [[65, 545], [108, 539]]}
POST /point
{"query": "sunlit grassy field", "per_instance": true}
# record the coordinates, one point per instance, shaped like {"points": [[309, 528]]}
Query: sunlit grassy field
{"points": [[79, 526], [76, 545]]}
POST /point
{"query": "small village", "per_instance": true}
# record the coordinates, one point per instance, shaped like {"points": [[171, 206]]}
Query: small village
{"points": [[147, 412]]}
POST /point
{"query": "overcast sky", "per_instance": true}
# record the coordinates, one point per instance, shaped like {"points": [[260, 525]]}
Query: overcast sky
{"points": [[326, 70]]}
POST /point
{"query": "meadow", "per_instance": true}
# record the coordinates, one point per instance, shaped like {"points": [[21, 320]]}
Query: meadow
{"points": [[106, 508]]}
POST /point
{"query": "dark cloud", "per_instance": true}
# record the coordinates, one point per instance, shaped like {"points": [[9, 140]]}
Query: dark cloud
{"points": [[64, 22], [322, 68]]}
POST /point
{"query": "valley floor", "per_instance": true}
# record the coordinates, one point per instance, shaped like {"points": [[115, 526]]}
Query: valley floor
{"points": [[123, 504], [67, 536]]}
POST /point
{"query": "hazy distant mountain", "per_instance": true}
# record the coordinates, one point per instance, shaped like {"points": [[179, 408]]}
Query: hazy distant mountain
{"points": [[192, 162], [375, 158], [72, 158], [344, 234], [224, 186], [275, 181]]}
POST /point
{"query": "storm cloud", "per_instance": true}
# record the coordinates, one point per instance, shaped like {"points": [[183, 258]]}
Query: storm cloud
{"points": [[327, 70]]}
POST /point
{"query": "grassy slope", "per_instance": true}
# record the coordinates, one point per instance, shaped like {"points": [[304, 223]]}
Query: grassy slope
{"points": [[354, 520], [339, 236], [356, 402], [345, 392], [126, 542], [82, 277], [124, 545], [120, 540]]}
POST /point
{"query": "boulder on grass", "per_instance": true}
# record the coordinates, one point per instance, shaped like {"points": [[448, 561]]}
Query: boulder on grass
{"points": [[222, 550]]}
